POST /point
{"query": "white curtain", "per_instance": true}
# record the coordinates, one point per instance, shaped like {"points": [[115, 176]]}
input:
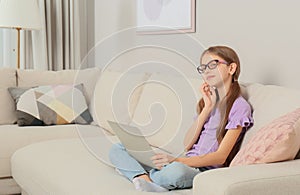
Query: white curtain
{"points": [[7, 49], [59, 44]]}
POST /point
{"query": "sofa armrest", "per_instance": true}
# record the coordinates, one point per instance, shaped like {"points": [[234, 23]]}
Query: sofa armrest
{"points": [[274, 178]]}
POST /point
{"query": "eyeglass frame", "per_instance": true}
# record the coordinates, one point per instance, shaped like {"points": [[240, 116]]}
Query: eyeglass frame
{"points": [[211, 68]]}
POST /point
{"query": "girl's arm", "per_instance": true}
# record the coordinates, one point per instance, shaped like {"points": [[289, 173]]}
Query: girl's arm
{"points": [[209, 97], [193, 133], [214, 158]]}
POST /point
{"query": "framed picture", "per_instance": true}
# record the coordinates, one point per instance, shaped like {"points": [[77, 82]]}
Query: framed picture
{"points": [[165, 16]]}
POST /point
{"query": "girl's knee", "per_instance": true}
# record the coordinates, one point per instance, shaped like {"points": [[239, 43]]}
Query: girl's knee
{"points": [[174, 175], [176, 170], [176, 167]]}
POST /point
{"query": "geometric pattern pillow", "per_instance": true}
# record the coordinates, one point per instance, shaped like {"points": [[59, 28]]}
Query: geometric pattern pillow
{"points": [[276, 141], [51, 105]]}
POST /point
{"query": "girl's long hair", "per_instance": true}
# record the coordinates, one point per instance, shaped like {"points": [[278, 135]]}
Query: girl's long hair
{"points": [[234, 92]]}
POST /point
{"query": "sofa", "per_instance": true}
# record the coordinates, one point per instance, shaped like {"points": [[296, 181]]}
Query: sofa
{"points": [[73, 158]]}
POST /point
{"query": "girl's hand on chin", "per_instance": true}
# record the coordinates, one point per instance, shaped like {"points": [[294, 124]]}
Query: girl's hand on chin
{"points": [[209, 95]]}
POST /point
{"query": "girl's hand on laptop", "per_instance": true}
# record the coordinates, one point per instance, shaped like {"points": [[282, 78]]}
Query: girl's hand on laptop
{"points": [[160, 160]]}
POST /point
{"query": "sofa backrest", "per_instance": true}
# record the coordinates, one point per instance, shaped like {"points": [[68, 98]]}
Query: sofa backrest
{"points": [[166, 109], [162, 105], [268, 103], [159, 102], [116, 96], [33, 78], [7, 111]]}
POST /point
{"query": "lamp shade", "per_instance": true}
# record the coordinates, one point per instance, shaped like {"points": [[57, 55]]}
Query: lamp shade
{"points": [[22, 14]]}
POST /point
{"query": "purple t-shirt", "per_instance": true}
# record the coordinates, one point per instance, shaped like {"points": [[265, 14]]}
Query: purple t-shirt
{"points": [[240, 115]]}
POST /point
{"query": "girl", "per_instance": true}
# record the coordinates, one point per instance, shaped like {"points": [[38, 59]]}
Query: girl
{"points": [[213, 139]]}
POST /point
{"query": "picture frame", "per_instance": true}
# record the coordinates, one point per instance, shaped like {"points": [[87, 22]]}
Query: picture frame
{"points": [[166, 16]]}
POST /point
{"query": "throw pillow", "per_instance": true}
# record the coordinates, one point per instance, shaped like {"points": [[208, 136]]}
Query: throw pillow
{"points": [[51, 105], [277, 141]]}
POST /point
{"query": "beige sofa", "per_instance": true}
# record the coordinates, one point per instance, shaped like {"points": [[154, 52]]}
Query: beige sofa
{"points": [[74, 160]]}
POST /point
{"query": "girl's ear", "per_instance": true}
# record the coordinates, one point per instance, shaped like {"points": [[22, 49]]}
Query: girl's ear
{"points": [[232, 68]]}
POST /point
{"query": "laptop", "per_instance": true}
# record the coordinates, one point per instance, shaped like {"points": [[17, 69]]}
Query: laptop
{"points": [[135, 143]]}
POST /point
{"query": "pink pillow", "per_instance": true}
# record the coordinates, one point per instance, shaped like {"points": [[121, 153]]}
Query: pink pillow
{"points": [[276, 141]]}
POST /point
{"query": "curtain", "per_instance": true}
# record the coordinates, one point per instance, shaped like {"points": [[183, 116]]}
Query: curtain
{"points": [[4, 47], [59, 44], [7, 52]]}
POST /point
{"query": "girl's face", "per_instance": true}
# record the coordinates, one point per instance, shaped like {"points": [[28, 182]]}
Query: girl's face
{"points": [[217, 71]]}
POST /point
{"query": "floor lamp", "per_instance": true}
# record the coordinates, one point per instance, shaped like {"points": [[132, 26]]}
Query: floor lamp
{"points": [[20, 15]]}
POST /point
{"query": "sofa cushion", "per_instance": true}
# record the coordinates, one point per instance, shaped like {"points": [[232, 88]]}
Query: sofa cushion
{"points": [[68, 167], [115, 98], [277, 141], [7, 106], [166, 110], [32, 78], [15, 137], [51, 105]]}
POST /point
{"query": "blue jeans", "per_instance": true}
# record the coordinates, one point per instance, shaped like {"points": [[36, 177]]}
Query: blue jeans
{"points": [[173, 176]]}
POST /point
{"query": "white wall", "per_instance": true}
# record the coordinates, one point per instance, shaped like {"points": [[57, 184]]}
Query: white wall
{"points": [[265, 34]]}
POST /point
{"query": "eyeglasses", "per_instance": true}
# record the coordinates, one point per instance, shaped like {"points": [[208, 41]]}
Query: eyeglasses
{"points": [[211, 65]]}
